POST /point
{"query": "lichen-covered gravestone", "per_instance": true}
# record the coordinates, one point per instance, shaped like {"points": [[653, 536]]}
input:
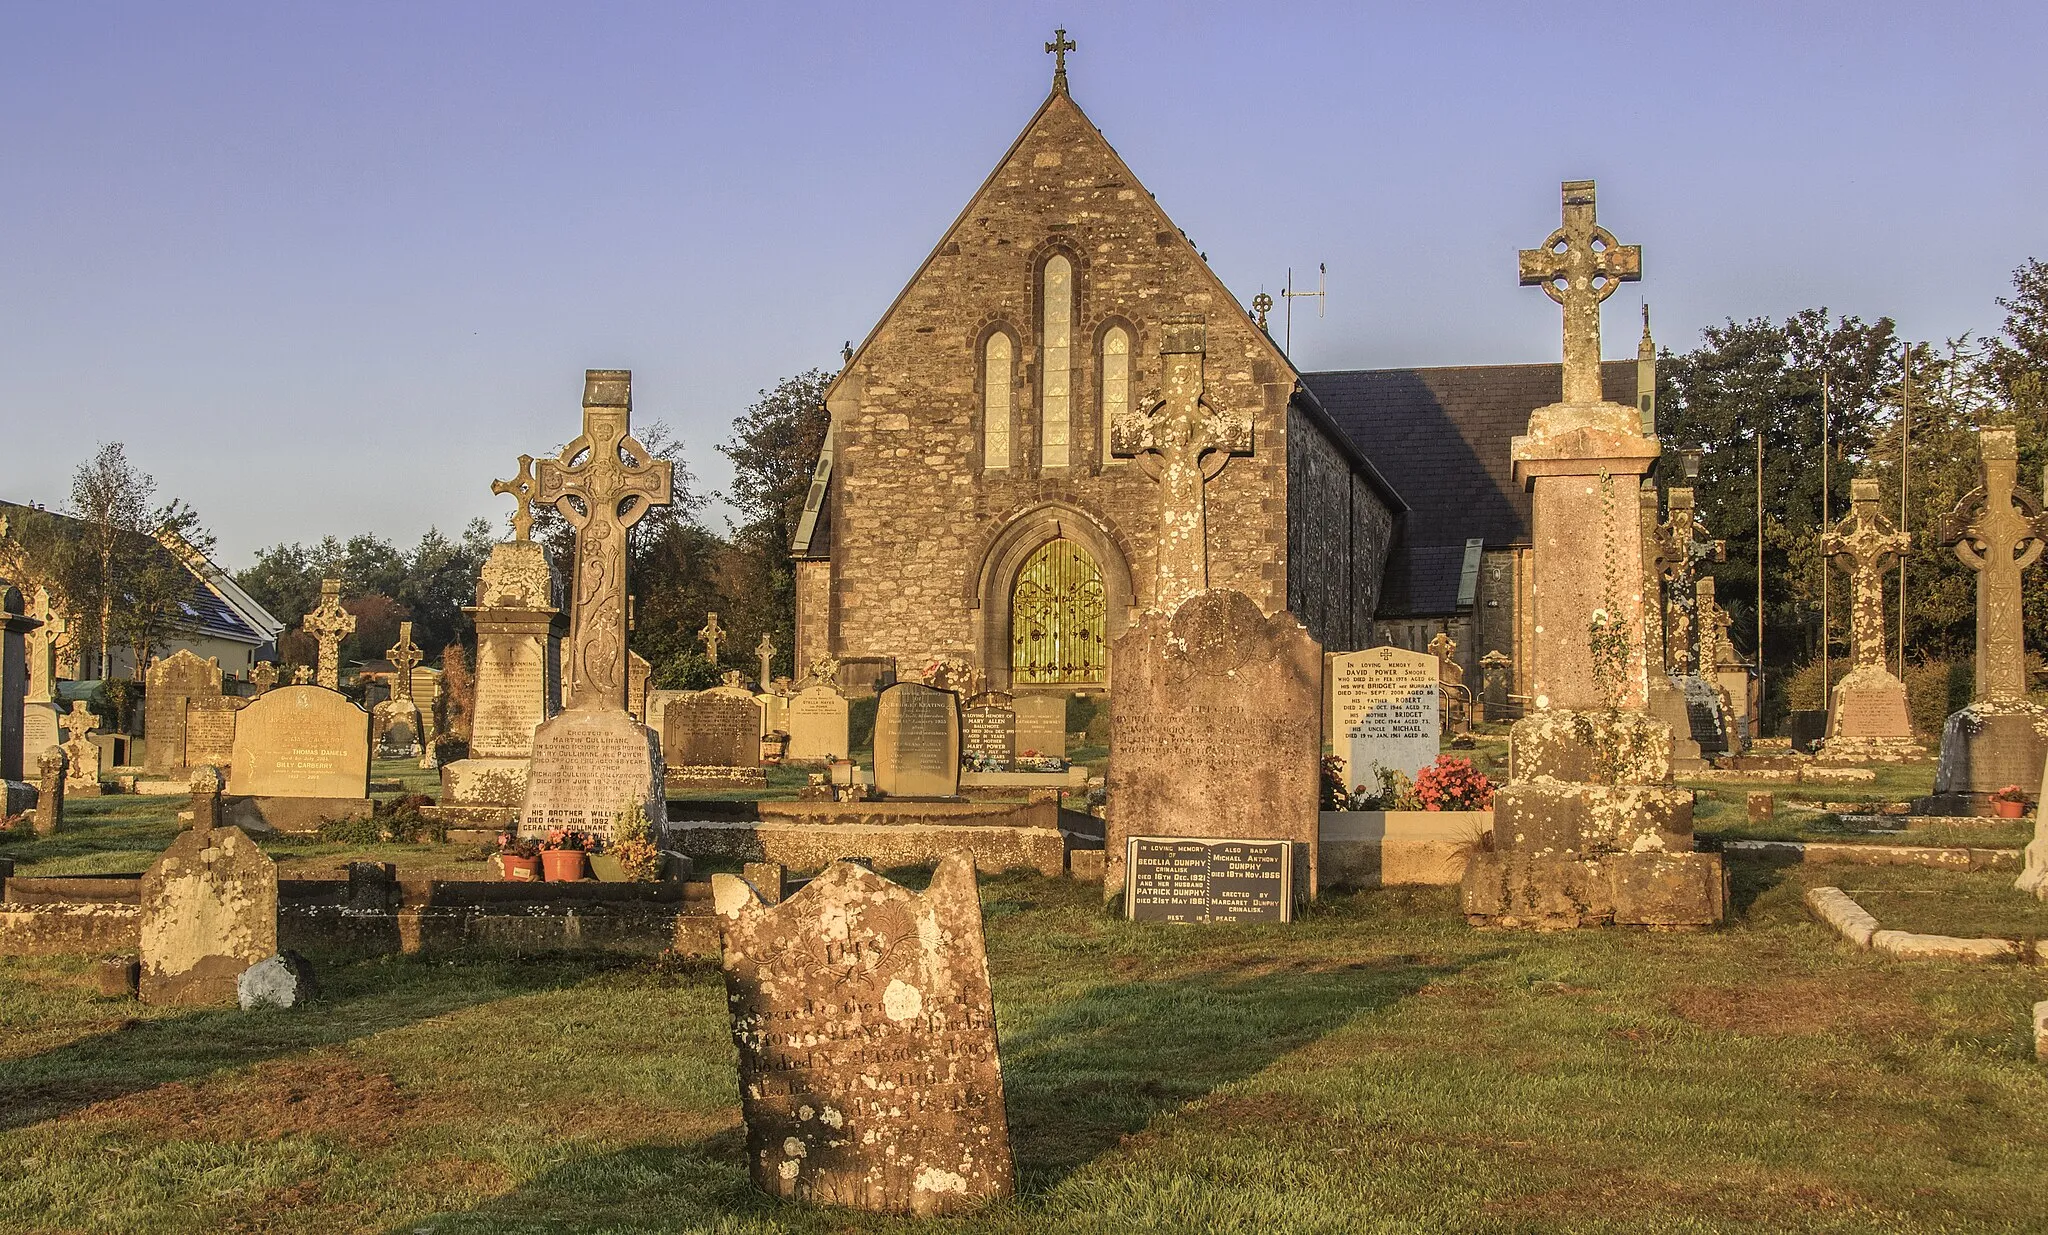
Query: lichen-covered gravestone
{"points": [[869, 1074], [209, 911], [917, 742]]}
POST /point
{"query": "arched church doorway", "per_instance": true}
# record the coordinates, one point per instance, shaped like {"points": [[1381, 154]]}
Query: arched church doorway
{"points": [[1058, 619]]}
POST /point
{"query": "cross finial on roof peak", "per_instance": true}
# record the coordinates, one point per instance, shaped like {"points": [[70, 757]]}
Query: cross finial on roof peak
{"points": [[1058, 48]]}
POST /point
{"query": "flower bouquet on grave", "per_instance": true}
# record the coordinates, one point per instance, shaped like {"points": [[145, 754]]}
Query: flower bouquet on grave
{"points": [[630, 856], [2010, 802], [561, 855], [519, 858], [1032, 761], [983, 761], [1452, 783]]}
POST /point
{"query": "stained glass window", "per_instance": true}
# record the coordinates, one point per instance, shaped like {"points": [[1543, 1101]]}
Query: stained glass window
{"points": [[1056, 338], [995, 401], [1057, 616]]}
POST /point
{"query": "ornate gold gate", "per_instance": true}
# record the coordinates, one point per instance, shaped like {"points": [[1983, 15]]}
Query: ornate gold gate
{"points": [[1056, 618]]}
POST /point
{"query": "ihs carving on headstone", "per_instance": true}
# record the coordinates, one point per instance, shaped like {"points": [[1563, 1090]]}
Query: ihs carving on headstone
{"points": [[1997, 530], [868, 1064], [594, 759], [329, 625], [1182, 443], [1867, 716]]}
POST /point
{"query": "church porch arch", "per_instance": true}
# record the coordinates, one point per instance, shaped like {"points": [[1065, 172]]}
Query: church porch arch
{"points": [[1005, 558]]}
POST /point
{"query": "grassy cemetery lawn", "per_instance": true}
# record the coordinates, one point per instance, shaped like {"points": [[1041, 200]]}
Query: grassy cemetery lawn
{"points": [[1378, 1066]]}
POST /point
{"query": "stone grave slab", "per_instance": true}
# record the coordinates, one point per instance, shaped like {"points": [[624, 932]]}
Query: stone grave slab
{"points": [[713, 737], [1384, 712], [1041, 725], [210, 729], [1215, 731], [1192, 879], [209, 912], [988, 735], [301, 754], [168, 684], [917, 742], [870, 1075], [818, 727], [589, 763]]}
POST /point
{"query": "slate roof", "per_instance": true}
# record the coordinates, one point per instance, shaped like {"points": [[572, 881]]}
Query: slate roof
{"points": [[205, 612], [1441, 436]]}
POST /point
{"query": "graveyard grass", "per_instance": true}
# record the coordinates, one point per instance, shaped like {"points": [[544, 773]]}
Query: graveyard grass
{"points": [[1378, 1066]]}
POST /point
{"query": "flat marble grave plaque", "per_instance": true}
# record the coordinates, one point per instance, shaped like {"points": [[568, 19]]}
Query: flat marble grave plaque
{"points": [[1187, 879]]}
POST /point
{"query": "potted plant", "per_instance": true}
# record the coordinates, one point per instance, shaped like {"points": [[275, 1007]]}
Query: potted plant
{"points": [[2010, 802], [561, 856], [520, 859]]}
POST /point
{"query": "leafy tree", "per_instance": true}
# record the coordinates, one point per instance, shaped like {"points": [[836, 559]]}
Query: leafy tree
{"points": [[774, 450], [430, 584], [112, 499], [157, 582]]}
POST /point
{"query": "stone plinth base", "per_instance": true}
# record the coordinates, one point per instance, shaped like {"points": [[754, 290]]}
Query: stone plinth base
{"points": [[492, 819], [1072, 778], [704, 776], [1657, 890], [1371, 848], [1857, 751], [300, 816], [20, 796], [1985, 747], [1553, 818], [1590, 748], [810, 846]]}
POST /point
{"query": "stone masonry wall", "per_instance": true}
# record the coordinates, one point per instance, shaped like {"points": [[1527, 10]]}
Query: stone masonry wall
{"points": [[1338, 533], [913, 509]]}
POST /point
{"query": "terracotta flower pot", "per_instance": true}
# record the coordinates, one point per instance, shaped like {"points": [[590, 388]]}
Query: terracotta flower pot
{"points": [[519, 868], [2009, 810], [562, 865]]}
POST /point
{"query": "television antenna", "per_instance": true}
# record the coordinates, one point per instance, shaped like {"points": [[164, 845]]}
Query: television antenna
{"points": [[1289, 295]]}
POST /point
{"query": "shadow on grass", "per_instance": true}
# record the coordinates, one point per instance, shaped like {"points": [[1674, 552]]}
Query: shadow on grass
{"points": [[1079, 1078], [361, 999]]}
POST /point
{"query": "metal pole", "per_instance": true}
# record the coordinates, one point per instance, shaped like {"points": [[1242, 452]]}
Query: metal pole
{"points": [[1824, 681], [1759, 570], [1905, 442]]}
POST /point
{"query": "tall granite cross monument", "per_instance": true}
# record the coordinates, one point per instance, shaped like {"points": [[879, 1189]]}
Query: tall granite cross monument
{"points": [[329, 625], [595, 761], [2001, 739], [1182, 444], [1581, 459], [1867, 716]]}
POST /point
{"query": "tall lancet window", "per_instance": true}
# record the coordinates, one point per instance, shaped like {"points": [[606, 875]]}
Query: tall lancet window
{"points": [[1116, 383], [995, 401], [1056, 339]]}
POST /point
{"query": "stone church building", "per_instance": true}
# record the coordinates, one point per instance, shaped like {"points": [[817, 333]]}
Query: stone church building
{"points": [[969, 500]]}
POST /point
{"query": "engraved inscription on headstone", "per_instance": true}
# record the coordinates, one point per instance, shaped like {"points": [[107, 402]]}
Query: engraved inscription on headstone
{"points": [[868, 1063], [817, 724], [301, 742], [1185, 879], [1041, 725], [1383, 712], [209, 729], [712, 728], [917, 742], [988, 737], [588, 764]]}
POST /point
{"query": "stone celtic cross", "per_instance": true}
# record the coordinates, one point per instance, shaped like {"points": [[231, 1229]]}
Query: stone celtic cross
{"points": [[79, 723], [711, 636], [264, 675], [765, 651], [330, 624], [1182, 444], [404, 657], [602, 483], [521, 489], [42, 646], [1580, 265], [302, 675], [1997, 530], [1864, 543]]}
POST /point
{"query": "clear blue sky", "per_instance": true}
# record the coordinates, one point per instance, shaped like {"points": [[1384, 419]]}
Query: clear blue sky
{"points": [[330, 268]]}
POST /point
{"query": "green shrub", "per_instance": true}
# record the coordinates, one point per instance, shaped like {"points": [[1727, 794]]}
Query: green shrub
{"points": [[1803, 690], [1934, 689], [1081, 710], [400, 820], [359, 830]]}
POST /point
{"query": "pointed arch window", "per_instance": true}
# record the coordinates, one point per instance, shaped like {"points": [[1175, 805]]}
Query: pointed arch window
{"points": [[995, 401], [1116, 384], [1056, 337]]}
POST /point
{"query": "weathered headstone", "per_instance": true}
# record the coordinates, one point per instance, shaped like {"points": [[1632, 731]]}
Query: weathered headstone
{"points": [[301, 754], [16, 794], [988, 733], [40, 712], [595, 760], [1581, 459], [1997, 530], [1041, 725], [818, 727], [2034, 878], [639, 675], [82, 754], [518, 669], [1384, 713], [209, 911], [170, 685], [1867, 716], [50, 791], [210, 729], [713, 737], [917, 742], [1214, 731], [869, 1070], [395, 724], [774, 704], [329, 624]]}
